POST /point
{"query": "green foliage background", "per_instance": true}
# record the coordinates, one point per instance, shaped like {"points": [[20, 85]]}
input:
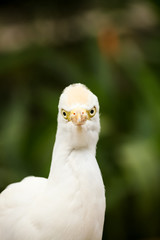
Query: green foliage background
{"points": [[114, 49]]}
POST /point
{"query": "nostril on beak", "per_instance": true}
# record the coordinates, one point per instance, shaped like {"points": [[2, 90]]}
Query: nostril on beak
{"points": [[79, 117]]}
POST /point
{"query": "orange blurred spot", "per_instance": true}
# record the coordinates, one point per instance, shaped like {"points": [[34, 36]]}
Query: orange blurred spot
{"points": [[108, 41]]}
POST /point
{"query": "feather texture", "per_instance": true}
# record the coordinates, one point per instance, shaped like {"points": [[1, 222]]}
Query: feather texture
{"points": [[70, 204]]}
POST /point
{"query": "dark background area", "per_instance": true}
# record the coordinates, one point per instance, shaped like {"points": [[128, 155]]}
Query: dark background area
{"points": [[113, 47]]}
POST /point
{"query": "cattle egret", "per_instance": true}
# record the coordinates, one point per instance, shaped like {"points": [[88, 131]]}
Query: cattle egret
{"points": [[70, 203]]}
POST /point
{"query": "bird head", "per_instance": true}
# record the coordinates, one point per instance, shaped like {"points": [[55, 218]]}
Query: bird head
{"points": [[78, 116]]}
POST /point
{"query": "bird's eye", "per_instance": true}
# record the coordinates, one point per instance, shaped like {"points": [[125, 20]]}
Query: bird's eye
{"points": [[92, 112], [64, 113]]}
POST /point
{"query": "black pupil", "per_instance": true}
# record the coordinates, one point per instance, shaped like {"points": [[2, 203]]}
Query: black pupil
{"points": [[92, 111], [64, 114]]}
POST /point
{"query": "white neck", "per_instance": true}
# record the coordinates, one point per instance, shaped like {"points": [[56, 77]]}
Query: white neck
{"points": [[64, 146]]}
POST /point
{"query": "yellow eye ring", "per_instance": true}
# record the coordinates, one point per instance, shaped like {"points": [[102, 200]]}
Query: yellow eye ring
{"points": [[64, 113], [92, 112]]}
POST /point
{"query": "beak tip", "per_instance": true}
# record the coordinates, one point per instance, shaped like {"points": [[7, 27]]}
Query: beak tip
{"points": [[79, 117]]}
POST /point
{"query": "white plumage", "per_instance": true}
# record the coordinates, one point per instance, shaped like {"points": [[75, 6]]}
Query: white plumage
{"points": [[70, 204]]}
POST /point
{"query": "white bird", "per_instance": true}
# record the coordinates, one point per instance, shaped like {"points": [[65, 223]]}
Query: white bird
{"points": [[70, 204]]}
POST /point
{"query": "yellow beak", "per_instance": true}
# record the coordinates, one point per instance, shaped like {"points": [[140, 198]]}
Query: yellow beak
{"points": [[79, 116]]}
